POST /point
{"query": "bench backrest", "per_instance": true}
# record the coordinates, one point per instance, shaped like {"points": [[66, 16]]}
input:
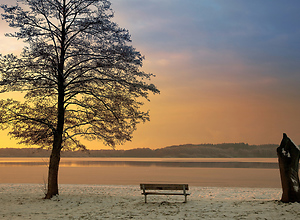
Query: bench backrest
{"points": [[164, 186]]}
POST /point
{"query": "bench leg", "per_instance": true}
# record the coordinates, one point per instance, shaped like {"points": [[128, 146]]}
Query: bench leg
{"points": [[184, 192], [145, 198]]}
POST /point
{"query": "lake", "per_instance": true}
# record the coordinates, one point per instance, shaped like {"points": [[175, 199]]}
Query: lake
{"points": [[229, 172]]}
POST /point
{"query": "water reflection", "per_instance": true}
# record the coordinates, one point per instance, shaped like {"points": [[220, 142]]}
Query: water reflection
{"points": [[175, 164], [268, 163]]}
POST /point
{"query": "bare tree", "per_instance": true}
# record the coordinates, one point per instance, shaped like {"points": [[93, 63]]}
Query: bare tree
{"points": [[80, 76]]}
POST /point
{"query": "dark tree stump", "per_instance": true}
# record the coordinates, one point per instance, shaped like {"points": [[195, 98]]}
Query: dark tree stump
{"points": [[288, 158]]}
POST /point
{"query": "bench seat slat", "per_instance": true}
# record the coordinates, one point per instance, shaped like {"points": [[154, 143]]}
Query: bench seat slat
{"points": [[164, 193], [164, 186]]}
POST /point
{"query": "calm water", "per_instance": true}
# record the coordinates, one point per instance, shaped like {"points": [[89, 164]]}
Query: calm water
{"points": [[235, 172], [269, 163]]}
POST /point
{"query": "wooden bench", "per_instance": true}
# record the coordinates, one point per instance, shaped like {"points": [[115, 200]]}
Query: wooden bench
{"points": [[155, 188]]}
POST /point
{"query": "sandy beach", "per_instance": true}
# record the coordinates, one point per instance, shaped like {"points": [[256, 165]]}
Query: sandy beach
{"points": [[24, 201]]}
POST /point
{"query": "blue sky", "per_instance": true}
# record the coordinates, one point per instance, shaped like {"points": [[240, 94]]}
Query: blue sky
{"points": [[228, 70]]}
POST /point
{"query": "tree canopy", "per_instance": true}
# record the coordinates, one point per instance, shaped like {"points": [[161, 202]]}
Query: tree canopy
{"points": [[74, 49]]}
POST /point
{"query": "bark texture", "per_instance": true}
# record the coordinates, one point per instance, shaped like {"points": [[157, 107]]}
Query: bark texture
{"points": [[288, 158], [52, 189]]}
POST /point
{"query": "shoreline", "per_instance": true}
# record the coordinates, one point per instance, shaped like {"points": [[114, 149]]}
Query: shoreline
{"points": [[24, 201]]}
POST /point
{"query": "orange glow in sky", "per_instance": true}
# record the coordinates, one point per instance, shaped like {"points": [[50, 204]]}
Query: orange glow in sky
{"points": [[224, 75]]}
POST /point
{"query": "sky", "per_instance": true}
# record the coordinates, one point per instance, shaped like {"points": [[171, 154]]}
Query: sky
{"points": [[228, 71]]}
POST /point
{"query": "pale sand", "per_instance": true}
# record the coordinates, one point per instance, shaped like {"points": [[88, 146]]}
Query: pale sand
{"points": [[23, 201]]}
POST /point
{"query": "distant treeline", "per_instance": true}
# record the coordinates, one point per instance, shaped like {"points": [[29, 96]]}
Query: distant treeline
{"points": [[225, 150]]}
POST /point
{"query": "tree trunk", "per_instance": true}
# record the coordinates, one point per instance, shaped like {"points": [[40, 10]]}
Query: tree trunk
{"points": [[288, 157], [56, 149], [53, 174], [57, 144]]}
